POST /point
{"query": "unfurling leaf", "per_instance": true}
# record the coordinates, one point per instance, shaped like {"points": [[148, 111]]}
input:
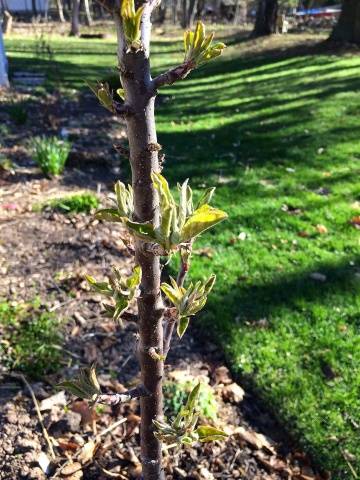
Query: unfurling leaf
{"points": [[199, 48], [85, 386], [208, 433], [142, 230], [120, 289], [202, 219], [109, 214], [103, 93], [183, 323], [187, 301], [131, 23]]}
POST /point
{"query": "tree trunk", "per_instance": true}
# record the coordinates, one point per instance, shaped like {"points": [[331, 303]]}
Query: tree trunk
{"points": [[7, 23], [266, 15], [88, 18], [75, 26], [141, 130], [188, 13], [192, 12], [4, 82], [174, 13], [60, 10], [240, 12], [348, 27], [184, 13]]}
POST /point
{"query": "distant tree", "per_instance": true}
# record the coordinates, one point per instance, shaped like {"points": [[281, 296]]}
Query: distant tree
{"points": [[266, 15], [60, 10], [88, 18], [75, 22], [348, 27], [4, 82]]}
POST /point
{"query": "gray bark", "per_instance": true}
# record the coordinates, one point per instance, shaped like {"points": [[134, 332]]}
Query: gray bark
{"points": [[266, 16], [75, 25], [348, 27], [141, 130], [88, 17], [4, 81], [60, 10]]}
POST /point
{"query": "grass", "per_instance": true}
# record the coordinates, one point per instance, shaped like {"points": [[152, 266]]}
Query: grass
{"points": [[77, 203], [276, 128], [176, 394], [30, 339], [50, 154]]}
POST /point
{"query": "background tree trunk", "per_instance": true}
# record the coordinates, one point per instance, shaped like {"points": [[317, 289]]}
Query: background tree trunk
{"points": [[174, 13], [348, 27], [266, 15], [88, 18], [4, 82], [141, 131], [240, 12], [75, 25], [7, 23], [60, 10]]}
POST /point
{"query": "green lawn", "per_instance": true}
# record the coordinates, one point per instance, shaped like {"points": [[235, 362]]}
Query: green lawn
{"points": [[278, 132]]}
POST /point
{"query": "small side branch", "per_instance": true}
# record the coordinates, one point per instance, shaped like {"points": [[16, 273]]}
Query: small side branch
{"points": [[116, 398], [173, 75], [122, 109]]}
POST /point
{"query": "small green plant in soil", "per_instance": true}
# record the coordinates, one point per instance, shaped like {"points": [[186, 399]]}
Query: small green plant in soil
{"points": [[176, 393], [30, 338], [77, 203], [18, 113], [50, 153]]}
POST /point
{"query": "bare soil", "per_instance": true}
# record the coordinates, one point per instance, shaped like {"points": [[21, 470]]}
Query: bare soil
{"points": [[46, 254]]}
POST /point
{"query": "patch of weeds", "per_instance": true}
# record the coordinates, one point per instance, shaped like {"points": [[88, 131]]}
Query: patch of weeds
{"points": [[50, 153], [176, 393], [77, 203], [18, 113], [30, 338]]}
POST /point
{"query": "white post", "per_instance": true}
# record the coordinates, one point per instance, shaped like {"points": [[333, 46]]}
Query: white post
{"points": [[4, 81]]}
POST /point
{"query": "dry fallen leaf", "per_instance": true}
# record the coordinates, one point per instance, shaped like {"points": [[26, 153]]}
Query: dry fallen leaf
{"points": [[59, 399], [66, 445], [87, 452], [256, 440], [355, 221], [70, 469], [321, 229], [222, 375], [88, 415], [233, 393]]}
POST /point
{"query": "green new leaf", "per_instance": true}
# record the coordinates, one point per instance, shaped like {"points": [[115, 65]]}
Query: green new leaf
{"points": [[131, 23], [193, 397], [199, 48], [206, 197], [85, 386], [134, 280], [101, 287], [182, 325], [109, 215], [207, 433], [173, 293], [202, 219], [124, 199], [142, 230]]}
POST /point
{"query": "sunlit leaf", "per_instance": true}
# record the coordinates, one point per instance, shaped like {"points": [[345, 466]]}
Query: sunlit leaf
{"points": [[182, 326], [202, 219]]}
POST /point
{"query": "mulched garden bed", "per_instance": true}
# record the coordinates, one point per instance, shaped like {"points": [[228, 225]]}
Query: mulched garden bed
{"points": [[46, 254]]}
